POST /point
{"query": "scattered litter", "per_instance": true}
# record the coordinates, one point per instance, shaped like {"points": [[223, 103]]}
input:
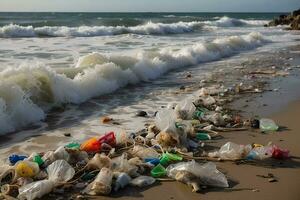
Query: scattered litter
{"points": [[166, 149]]}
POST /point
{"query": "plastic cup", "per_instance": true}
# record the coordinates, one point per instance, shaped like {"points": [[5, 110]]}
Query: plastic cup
{"points": [[158, 171]]}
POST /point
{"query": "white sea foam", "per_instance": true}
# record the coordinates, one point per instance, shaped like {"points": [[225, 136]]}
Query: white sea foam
{"points": [[26, 91], [230, 22], [149, 28]]}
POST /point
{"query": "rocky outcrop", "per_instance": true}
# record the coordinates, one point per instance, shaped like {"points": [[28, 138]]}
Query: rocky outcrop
{"points": [[293, 20]]}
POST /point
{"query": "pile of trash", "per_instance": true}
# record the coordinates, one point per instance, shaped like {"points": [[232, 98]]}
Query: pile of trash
{"points": [[165, 150]]}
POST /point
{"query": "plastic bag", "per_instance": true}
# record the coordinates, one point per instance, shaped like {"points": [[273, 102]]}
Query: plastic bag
{"points": [[143, 152], [278, 153], [98, 162], [102, 183], [121, 164], [207, 173], [260, 153], [61, 154], [142, 181], [35, 190], [27, 169], [215, 118], [209, 100], [165, 120], [231, 151], [267, 125], [185, 109], [59, 171], [123, 179]]}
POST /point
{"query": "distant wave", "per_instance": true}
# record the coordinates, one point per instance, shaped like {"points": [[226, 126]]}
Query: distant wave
{"points": [[231, 22], [149, 28], [26, 91]]}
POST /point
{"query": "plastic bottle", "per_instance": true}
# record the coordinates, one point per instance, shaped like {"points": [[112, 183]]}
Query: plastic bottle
{"points": [[158, 171], [267, 125], [13, 159]]}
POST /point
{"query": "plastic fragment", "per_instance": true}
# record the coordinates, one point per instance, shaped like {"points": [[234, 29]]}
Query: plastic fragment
{"points": [[267, 125], [13, 159], [142, 181]]}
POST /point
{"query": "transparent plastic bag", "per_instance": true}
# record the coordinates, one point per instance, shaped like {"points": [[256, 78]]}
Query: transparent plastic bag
{"points": [[268, 125], [142, 181], [102, 183], [231, 151], [165, 120], [61, 154], [144, 152], [185, 109], [58, 172], [35, 190], [121, 164], [207, 173], [260, 153]]}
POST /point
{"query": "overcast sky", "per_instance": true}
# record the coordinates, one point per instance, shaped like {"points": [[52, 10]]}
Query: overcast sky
{"points": [[151, 5]]}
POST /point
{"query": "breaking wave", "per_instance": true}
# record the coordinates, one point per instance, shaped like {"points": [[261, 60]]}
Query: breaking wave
{"points": [[150, 28], [28, 91]]}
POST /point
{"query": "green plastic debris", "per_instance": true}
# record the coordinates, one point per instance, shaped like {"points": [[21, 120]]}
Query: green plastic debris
{"points": [[158, 171], [38, 159], [89, 176], [73, 145], [169, 157], [268, 125], [203, 136]]}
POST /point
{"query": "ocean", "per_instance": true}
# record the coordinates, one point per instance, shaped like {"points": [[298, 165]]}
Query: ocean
{"points": [[91, 64]]}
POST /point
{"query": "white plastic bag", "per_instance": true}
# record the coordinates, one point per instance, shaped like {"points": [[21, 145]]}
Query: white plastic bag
{"points": [[165, 120], [59, 171], [207, 173], [231, 151], [35, 190], [185, 109], [143, 152], [121, 164]]}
